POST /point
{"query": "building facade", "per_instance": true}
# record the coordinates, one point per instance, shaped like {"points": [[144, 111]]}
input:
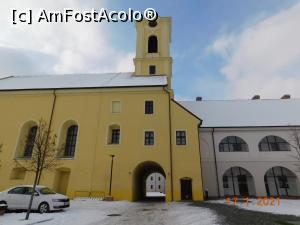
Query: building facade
{"points": [[247, 147], [131, 116]]}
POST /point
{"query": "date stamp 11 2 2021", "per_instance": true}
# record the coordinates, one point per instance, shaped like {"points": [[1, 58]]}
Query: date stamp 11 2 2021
{"points": [[260, 201]]}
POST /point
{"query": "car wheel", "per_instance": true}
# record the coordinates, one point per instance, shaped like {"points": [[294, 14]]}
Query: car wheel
{"points": [[43, 207]]}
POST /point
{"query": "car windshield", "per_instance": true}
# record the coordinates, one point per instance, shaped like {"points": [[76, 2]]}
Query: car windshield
{"points": [[46, 191]]}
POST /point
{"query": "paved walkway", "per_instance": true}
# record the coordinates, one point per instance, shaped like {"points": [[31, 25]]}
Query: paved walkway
{"points": [[231, 215], [95, 212], [159, 213]]}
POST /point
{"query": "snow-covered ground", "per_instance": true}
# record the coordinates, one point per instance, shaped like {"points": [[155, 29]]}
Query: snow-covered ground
{"points": [[284, 206], [155, 194], [95, 212]]}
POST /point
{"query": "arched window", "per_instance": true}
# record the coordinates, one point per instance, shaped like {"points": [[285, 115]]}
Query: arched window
{"points": [[280, 181], [71, 141], [233, 144], [273, 143], [152, 44], [30, 141], [26, 139], [238, 181]]}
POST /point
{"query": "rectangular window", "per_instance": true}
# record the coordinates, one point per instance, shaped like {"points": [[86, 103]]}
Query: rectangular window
{"points": [[180, 137], [149, 138], [116, 107], [148, 107], [115, 136], [152, 69]]}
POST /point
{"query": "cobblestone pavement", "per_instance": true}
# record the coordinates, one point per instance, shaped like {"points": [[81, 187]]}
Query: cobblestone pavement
{"points": [[231, 215], [159, 213]]}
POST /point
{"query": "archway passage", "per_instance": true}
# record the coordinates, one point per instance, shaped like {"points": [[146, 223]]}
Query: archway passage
{"points": [[280, 181], [238, 182], [142, 173]]}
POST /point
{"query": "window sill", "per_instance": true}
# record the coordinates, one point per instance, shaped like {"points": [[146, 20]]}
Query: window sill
{"points": [[65, 158], [149, 146], [236, 152], [152, 54], [22, 158], [277, 151]]}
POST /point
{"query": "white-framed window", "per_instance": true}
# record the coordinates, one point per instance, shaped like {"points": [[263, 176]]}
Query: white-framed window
{"points": [[180, 137], [149, 138]]}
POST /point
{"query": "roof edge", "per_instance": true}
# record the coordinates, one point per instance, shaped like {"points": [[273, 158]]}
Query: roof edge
{"points": [[173, 100]]}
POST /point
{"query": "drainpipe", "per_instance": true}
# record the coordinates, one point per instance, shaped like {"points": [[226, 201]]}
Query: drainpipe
{"points": [[52, 110], [215, 160], [198, 129], [232, 179], [171, 145]]}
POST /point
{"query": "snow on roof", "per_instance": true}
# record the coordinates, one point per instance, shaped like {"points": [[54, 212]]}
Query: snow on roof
{"points": [[244, 113], [80, 81]]}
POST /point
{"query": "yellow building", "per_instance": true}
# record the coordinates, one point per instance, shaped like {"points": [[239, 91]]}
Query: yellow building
{"points": [[129, 115]]}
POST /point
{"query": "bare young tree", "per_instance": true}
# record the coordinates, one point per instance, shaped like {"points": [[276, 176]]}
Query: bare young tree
{"points": [[43, 157]]}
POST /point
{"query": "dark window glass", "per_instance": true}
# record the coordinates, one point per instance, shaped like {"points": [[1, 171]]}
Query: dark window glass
{"points": [[283, 181], [159, 178], [29, 191], [225, 182], [152, 44], [47, 191], [149, 138], [180, 137], [71, 141], [115, 136], [30, 141], [17, 190], [152, 69], [273, 143], [233, 144], [149, 107]]}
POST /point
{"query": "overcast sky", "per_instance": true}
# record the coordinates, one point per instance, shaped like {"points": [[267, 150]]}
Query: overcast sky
{"points": [[222, 49]]}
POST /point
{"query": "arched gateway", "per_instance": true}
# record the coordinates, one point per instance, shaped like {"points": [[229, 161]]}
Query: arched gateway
{"points": [[140, 175]]}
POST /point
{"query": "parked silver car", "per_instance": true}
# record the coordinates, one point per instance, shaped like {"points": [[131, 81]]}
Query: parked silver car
{"points": [[44, 200]]}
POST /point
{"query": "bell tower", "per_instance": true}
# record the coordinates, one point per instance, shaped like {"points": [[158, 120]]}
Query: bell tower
{"points": [[153, 48]]}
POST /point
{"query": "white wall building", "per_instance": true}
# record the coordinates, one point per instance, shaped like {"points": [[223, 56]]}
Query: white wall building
{"points": [[246, 146], [155, 183]]}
